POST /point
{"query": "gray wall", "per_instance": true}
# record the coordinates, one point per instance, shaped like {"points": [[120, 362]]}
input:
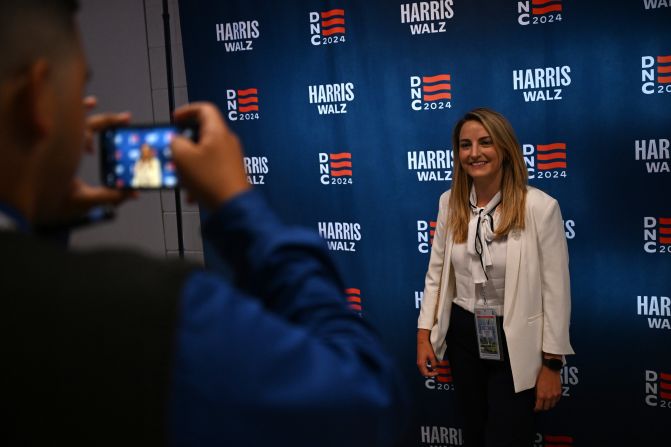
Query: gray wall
{"points": [[126, 52]]}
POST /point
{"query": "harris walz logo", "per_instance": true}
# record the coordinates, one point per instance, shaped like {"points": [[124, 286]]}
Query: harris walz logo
{"points": [[569, 379], [545, 161], [238, 36], [657, 309], [256, 169], [340, 236], [543, 83], [655, 154], [335, 169], [431, 165], [327, 27], [656, 4], [534, 12], [544, 440], [353, 298], [427, 17], [431, 92], [419, 296], [657, 389], [243, 105], [656, 74], [439, 436], [331, 99], [425, 232], [657, 234]]}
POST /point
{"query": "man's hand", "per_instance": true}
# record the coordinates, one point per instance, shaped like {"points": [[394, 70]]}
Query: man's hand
{"points": [[212, 170]]}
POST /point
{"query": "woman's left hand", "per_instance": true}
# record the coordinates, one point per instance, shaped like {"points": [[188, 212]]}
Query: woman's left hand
{"points": [[548, 389]]}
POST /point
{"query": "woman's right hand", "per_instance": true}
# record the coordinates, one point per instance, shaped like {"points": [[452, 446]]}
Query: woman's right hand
{"points": [[425, 354]]}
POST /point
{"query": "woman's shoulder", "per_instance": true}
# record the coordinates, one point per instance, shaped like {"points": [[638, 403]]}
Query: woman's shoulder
{"points": [[444, 198], [538, 198], [538, 202]]}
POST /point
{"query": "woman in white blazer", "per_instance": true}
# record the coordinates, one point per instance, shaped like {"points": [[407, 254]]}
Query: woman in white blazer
{"points": [[500, 246]]}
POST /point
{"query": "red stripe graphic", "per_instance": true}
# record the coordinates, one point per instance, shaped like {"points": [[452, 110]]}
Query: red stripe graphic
{"points": [[558, 445], [561, 439], [444, 371], [665, 396], [664, 79], [664, 240], [665, 376], [341, 155], [664, 69], [551, 146], [331, 31], [432, 232], [341, 164], [541, 11], [353, 298], [665, 386], [665, 221], [437, 96], [555, 165], [341, 173], [664, 230], [543, 2], [336, 21], [435, 88], [249, 91], [248, 99], [332, 13], [244, 109], [663, 59], [432, 224], [552, 156], [430, 79]]}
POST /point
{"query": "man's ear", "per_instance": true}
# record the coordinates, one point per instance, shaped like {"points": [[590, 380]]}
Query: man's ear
{"points": [[35, 102]]}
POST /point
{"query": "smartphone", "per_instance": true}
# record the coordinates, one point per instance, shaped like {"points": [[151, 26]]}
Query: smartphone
{"points": [[139, 156]]}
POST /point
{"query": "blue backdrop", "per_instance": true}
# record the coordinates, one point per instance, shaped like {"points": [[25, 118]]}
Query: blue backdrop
{"points": [[346, 108]]}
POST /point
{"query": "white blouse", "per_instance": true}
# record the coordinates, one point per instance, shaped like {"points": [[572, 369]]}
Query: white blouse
{"points": [[470, 262]]}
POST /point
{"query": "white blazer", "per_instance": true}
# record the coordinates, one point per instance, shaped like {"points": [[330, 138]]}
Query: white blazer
{"points": [[537, 294]]}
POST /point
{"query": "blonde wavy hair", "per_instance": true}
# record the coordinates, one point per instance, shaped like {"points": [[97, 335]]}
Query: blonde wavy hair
{"points": [[513, 183]]}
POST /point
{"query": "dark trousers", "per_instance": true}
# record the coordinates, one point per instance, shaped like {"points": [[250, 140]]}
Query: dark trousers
{"points": [[493, 414]]}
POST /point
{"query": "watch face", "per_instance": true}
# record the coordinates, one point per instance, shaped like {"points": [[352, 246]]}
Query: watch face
{"points": [[554, 364]]}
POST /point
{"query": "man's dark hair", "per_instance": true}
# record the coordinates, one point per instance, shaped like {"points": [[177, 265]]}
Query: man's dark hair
{"points": [[30, 29]]}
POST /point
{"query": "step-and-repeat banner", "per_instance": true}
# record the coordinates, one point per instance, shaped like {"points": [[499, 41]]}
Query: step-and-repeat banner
{"points": [[345, 109]]}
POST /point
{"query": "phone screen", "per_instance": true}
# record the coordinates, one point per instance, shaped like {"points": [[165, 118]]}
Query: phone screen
{"points": [[139, 157]]}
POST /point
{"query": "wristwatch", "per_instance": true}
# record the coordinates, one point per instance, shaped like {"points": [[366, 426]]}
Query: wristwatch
{"points": [[553, 364]]}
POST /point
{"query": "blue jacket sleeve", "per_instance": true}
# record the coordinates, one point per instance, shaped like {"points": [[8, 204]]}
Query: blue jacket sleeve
{"points": [[278, 359]]}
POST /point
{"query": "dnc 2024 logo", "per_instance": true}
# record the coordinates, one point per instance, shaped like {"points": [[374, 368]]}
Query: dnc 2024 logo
{"points": [[335, 168], [243, 105], [539, 12], [327, 27]]}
